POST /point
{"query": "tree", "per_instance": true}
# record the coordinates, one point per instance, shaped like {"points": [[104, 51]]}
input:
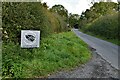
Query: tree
{"points": [[96, 11], [73, 19], [60, 9], [104, 8], [45, 5]]}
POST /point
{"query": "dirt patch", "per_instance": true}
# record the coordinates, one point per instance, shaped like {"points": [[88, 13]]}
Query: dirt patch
{"points": [[97, 67]]}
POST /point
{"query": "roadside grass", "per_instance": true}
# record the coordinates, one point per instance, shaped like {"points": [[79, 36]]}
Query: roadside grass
{"points": [[0, 59], [105, 27], [114, 41], [57, 52]]}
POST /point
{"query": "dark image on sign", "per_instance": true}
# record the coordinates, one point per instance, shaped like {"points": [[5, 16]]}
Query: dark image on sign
{"points": [[30, 37]]}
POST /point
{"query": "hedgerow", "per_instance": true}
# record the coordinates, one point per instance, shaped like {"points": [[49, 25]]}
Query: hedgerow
{"points": [[106, 26], [17, 16]]}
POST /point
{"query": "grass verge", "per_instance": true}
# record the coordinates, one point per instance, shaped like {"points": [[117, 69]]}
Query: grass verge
{"points": [[57, 52], [114, 41]]}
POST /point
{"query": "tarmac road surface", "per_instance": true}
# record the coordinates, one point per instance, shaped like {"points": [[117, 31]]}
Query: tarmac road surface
{"points": [[105, 49]]}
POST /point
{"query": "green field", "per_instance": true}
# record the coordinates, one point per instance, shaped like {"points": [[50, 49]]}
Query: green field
{"points": [[57, 52]]}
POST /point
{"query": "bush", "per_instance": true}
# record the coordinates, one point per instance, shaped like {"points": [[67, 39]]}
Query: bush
{"points": [[106, 26], [19, 16]]}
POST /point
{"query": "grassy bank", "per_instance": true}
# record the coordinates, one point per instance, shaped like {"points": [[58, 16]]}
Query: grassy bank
{"points": [[105, 27], [114, 41], [57, 52]]}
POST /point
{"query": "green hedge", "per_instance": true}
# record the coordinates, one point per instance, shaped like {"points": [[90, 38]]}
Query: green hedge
{"points": [[17, 16], [106, 26]]}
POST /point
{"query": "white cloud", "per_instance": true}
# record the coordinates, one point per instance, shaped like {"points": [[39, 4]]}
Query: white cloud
{"points": [[116, 1], [82, 6], [73, 6]]}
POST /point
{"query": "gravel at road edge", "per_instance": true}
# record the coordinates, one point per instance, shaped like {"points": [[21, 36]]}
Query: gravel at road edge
{"points": [[97, 67]]}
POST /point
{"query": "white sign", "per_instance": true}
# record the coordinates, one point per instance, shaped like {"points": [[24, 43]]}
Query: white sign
{"points": [[30, 38]]}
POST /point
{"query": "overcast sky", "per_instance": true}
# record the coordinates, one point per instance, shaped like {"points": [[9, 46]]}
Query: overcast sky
{"points": [[73, 6]]}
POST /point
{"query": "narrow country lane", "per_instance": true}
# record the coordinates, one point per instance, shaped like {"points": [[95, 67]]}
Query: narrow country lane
{"points": [[105, 49], [104, 62]]}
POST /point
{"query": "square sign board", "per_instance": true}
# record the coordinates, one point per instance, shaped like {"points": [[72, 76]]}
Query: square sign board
{"points": [[30, 38]]}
